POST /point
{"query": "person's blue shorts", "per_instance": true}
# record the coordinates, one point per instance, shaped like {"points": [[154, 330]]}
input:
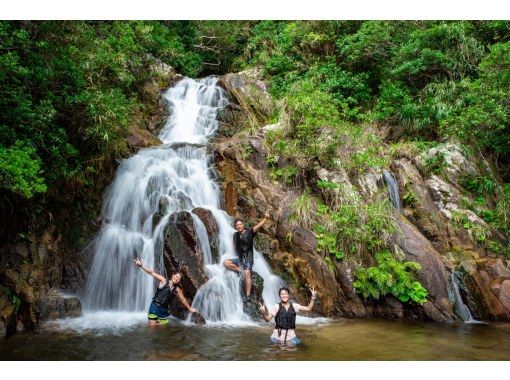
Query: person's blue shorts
{"points": [[292, 341], [245, 265], [157, 313]]}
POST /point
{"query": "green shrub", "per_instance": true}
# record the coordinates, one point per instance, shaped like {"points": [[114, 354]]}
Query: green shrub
{"points": [[21, 170], [390, 276]]}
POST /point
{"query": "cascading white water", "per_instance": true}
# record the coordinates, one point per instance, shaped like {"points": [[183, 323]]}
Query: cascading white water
{"points": [[179, 173], [390, 180]]}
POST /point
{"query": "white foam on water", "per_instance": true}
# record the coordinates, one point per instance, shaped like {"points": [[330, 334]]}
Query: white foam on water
{"points": [[101, 321]]}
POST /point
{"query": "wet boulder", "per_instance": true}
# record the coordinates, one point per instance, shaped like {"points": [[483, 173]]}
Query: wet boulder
{"points": [[433, 274], [252, 308], [8, 314], [182, 253], [488, 283], [212, 229], [139, 138], [56, 305]]}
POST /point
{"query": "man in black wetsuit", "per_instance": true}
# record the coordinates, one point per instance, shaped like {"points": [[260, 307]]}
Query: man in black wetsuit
{"points": [[243, 244]]}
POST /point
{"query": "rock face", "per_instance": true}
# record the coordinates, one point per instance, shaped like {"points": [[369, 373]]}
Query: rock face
{"points": [[58, 305], [141, 138], [250, 103], [423, 212], [212, 229], [252, 308], [182, 253], [426, 233], [433, 275]]}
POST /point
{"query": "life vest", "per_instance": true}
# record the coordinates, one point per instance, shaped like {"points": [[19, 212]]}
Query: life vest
{"points": [[165, 295], [285, 319]]}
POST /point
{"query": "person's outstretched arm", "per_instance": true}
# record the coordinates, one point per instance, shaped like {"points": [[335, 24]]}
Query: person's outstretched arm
{"points": [[151, 272], [184, 301], [265, 314], [259, 224], [312, 301]]}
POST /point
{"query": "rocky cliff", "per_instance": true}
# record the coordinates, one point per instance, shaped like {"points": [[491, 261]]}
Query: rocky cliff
{"points": [[435, 227]]}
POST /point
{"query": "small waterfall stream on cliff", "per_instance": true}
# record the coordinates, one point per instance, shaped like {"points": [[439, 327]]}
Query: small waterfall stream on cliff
{"points": [[392, 183], [178, 172], [460, 307]]}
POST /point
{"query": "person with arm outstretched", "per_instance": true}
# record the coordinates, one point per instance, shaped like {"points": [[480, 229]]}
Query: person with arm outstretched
{"points": [[284, 314], [165, 293]]}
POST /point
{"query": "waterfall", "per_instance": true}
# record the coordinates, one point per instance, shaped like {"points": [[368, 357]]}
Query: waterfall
{"points": [[390, 180], [460, 307], [177, 173]]}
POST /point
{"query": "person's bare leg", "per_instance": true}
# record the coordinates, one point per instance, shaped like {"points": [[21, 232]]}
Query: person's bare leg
{"points": [[229, 264], [153, 322], [247, 282]]}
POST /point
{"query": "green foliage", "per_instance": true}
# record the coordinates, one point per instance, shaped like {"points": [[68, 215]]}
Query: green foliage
{"points": [[409, 198], [69, 91], [390, 276], [481, 185], [327, 244], [303, 209], [436, 164], [20, 170], [15, 300]]}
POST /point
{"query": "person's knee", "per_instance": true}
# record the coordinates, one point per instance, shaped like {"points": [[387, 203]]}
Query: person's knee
{"points": [[227, 263]]}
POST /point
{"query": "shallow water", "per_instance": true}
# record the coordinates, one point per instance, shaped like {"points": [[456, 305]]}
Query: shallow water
{"points": [[322, 340]]}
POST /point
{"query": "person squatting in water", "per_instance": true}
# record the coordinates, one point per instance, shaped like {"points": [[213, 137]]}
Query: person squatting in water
{"points": [[167, 290], [284, 314]]}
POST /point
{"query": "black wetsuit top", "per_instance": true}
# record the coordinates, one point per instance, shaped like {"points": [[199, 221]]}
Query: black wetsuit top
{"points": [[244, 245], [165, 295]]}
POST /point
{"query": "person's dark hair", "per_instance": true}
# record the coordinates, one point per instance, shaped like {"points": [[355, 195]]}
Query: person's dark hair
{"points": [[237, 220], [284, 288], [179, 273]]}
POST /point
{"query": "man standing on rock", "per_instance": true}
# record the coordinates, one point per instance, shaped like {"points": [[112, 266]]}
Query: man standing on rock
{"points": [[243, 244]]}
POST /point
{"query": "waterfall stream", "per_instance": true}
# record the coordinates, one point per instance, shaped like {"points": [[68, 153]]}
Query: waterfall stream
{"points": [[178, 172], [392, 183], [460, 307]]}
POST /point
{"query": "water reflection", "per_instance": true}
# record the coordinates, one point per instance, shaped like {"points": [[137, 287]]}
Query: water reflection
{"points": [[337, 340]]}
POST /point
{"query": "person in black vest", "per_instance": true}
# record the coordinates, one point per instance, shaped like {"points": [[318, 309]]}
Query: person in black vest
{"points": [[167, 289], [284, 314], [243, 245]]}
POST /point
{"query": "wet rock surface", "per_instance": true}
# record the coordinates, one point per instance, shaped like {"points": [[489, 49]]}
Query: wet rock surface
{"points": [[252, 306], [212, 229], [182, 252], [58, 305]]}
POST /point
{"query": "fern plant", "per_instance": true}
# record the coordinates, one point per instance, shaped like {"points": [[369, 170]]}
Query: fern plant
{"points": [[390, 276]]}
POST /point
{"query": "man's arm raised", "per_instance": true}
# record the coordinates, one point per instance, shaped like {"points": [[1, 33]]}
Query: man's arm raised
{"points": [[259, 224]]}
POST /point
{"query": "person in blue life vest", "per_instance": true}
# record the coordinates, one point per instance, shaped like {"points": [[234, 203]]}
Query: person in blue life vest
{"points": [[165, 293], [284, 314], [243, 245]]}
